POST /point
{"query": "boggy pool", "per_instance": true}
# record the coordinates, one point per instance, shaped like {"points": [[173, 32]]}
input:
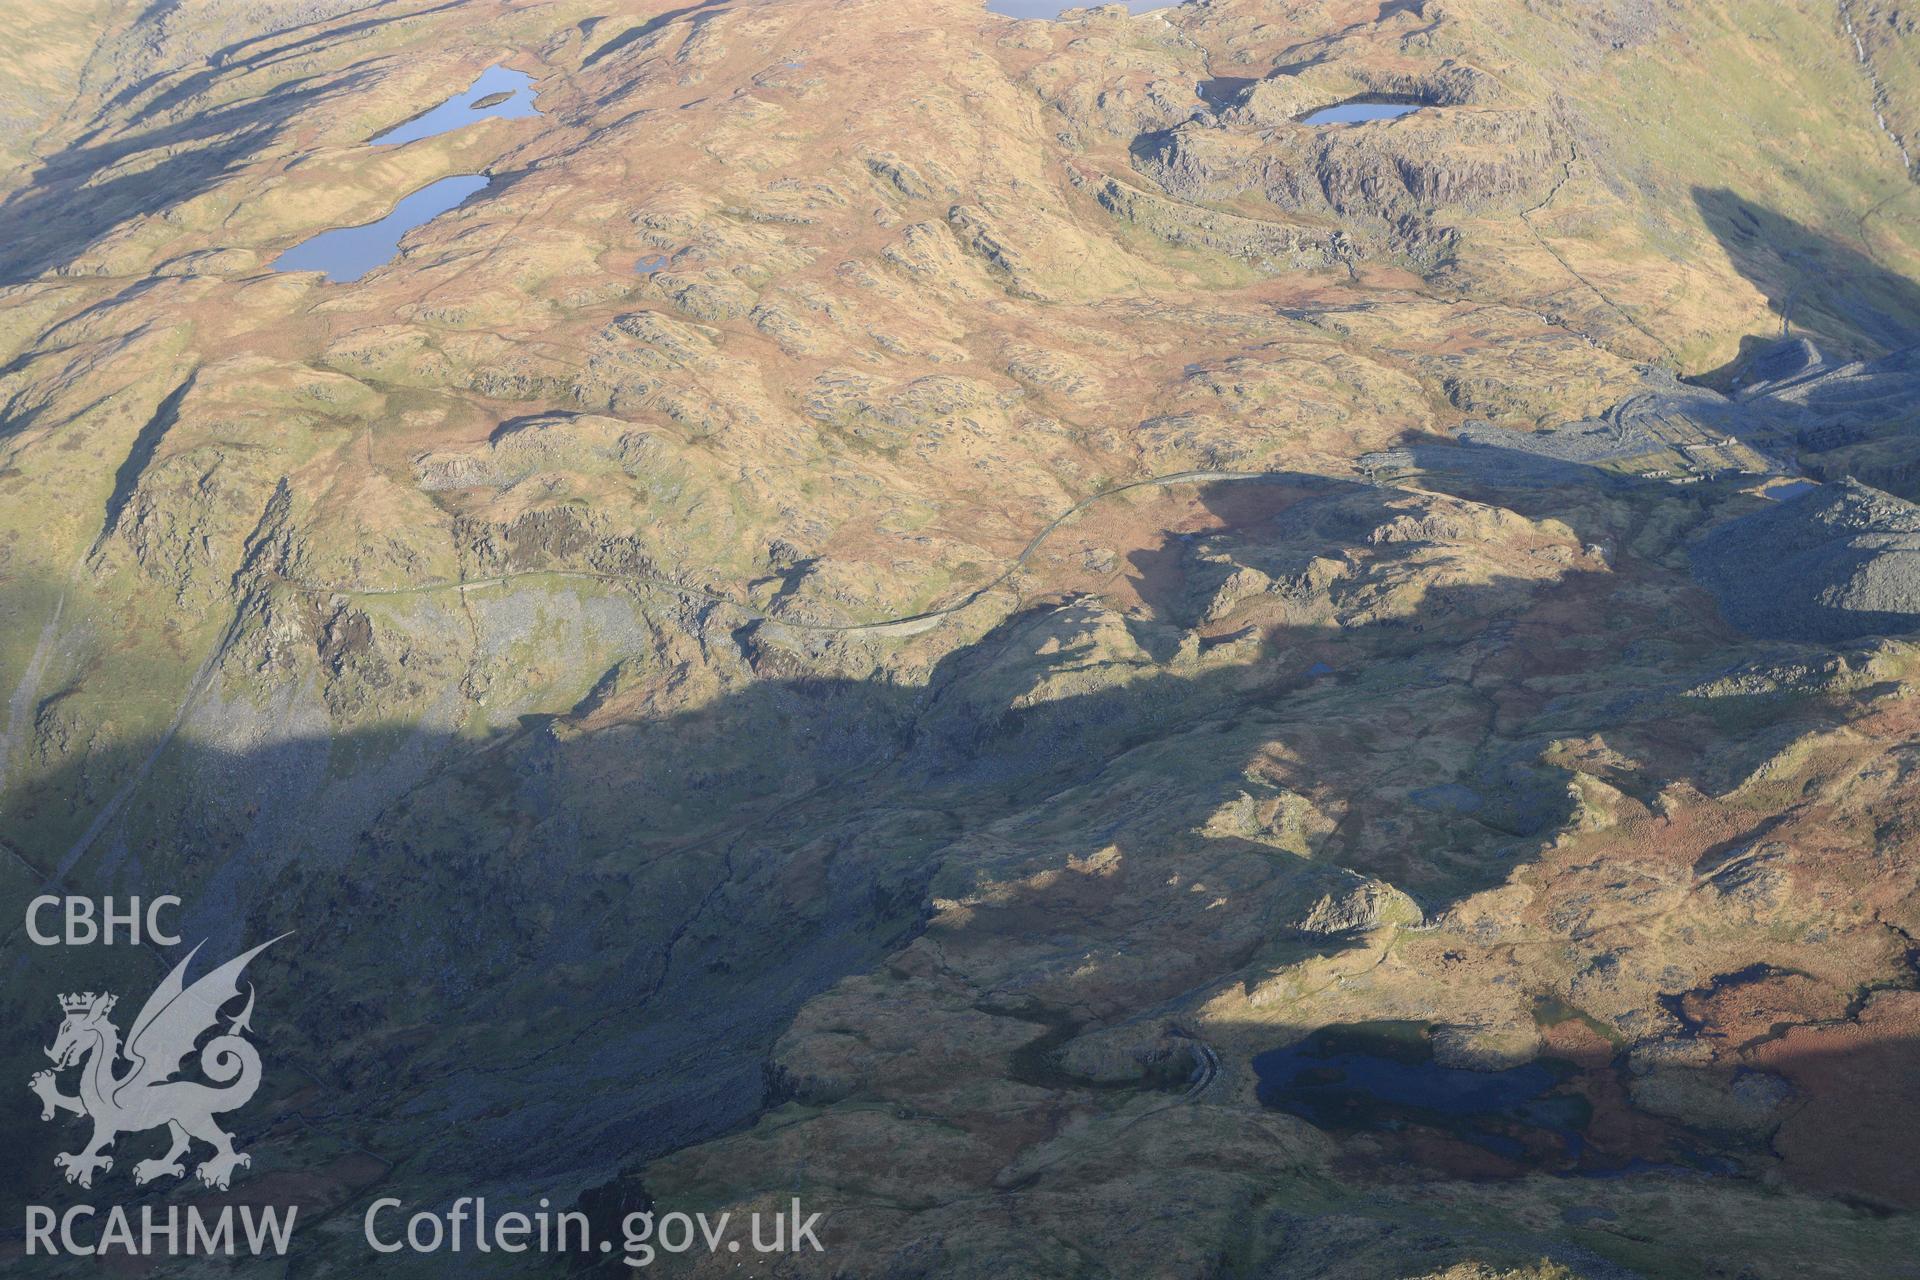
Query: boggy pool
{"points": [[1383, 1076]]}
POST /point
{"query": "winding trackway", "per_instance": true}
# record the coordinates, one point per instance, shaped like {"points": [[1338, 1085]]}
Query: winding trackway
{"points": [[203, 675], [20, 706], [913, 620], [1526, 218], [1206, 1069]]}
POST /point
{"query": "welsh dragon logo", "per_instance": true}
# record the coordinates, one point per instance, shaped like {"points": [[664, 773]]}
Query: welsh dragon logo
{"points": [[145, 1095]]}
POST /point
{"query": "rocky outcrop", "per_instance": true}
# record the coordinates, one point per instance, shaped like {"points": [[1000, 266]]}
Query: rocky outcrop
{"points": [[1456, 160], [1271, 246], [1834, 565], [1473, 144], [871, 703], [535, 445]]}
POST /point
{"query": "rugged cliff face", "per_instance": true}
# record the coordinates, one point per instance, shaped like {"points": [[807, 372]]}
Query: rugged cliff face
{"points": [[905, 599]]}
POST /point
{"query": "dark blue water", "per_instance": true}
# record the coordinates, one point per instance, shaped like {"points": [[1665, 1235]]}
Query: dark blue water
{"points": [[1221, 90], [1383, 1076], [1449, 797], [648, 265], [1576, 1215], [1360, 110], [1791, 489], [460, 110], [1054, 8], [347, 253]]}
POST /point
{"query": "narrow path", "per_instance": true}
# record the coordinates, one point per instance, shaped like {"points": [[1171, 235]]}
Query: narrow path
{"points": [[25, 693], [1526, 218], [919, 620], [1206, 1067], [111, 808]]}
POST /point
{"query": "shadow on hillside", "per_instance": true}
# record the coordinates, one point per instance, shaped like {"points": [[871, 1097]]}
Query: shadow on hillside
{"points": [[1816, 284], [529, 960], [1824, 1107], [635, 34], [75, 198]]}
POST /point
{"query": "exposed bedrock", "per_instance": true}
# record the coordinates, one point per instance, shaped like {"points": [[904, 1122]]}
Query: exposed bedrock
{"points": [[1473, 147], [1839, 564], [1461, 159]]}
